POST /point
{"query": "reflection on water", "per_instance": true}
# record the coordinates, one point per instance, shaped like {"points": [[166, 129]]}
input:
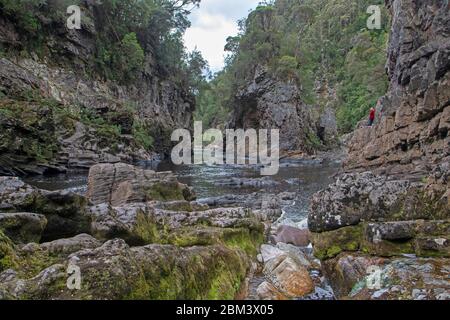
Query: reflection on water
{"points": [[304, 177]]}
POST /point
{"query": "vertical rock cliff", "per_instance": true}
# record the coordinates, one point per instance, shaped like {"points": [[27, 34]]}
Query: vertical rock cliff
{"points": [[385, 234], [411, 133], [57, 112], [268, 102]]}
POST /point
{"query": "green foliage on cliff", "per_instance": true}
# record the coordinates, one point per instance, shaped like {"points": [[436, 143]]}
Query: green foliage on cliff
{"points": [[309, 42], [142, 136], [23, 12], [127, 33], [131, 30], [214, 99]]}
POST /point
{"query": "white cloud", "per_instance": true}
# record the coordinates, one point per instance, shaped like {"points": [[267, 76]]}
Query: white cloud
{"points": [[212, 24]]}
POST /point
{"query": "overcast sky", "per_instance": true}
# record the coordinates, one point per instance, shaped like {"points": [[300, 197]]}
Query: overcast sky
{"points": [[212, 24]]}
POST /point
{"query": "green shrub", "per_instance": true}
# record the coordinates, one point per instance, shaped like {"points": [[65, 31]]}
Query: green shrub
{"points": [[142, 136], [24, 12], [129, 57]]}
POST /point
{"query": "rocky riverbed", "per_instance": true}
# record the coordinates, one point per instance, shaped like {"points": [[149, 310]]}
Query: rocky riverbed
{"points": [[128, 220], [200, 232]]}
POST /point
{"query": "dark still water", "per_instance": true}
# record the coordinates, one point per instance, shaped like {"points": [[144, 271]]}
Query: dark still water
{"points": [[304, 177]]}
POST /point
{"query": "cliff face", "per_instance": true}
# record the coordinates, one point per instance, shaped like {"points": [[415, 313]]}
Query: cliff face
{"points": [[56, 113], [269, 103], [411, 132], [396, 218]]}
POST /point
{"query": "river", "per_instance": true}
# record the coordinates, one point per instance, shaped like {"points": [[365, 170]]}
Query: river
{"points": [[304, 177]]}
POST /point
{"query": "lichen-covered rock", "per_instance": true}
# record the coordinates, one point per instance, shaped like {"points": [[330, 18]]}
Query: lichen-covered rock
{"points": [[356, 276], [359, 197], [119, 183], [406, 279], [268, 205], [64, 247], [116, 271], [23, 227], [143, 223]]}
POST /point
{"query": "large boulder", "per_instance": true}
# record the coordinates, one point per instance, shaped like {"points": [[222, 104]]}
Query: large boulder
{"points": [[117, 184], [291, 278], [145, 223], [23, 227], [66, 212], [358, 197], [291, 235], [116, 271]]}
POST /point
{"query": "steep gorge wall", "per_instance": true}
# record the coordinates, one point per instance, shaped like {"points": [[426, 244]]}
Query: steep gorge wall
{"points": [[48, 84], [396, 218], [411, 131]]}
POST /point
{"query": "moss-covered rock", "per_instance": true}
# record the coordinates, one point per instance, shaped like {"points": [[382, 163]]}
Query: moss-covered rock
{"points": [[330, 244], [235, 238], [28, 135], [429, 246], [23, 227], [116, 271], [8, 257], [421, 237]]}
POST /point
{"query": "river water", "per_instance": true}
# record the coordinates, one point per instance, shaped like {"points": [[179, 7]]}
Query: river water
{"points": [[304, 177]]}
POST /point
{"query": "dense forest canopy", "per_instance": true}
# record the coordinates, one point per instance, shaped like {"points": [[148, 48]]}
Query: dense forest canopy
{"points": [[309, 42], [126, 32]]}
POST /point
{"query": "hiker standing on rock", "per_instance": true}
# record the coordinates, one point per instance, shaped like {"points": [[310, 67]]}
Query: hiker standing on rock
{"points": [[371, 116]]}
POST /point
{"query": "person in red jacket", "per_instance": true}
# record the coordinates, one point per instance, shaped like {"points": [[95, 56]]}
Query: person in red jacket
{"points": [[371, 116]]}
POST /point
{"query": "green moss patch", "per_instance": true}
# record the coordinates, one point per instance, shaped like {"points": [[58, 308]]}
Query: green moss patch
{"points": [[165, 191], [329, 244]]}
